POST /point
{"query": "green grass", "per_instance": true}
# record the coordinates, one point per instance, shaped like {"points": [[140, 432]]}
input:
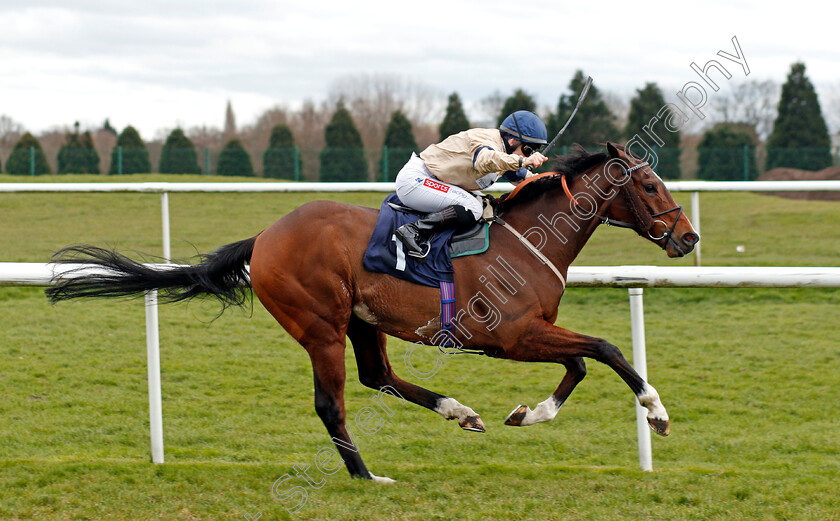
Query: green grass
{"points": [[749, 376]]}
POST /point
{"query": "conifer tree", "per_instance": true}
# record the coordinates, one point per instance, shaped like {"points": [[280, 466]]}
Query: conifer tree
{"points": [[69, 155], [343, 157], [131, 149], [19, 162], [279, 158], [721, 155], [234, 160], [455, 120], [178, 155], [399, 144], [594, 123], [520, 100], [643, 107], [800, 137], [90, 155], [77, 155], [107, 127]]}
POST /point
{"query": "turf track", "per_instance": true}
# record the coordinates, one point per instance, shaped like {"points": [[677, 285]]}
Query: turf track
{"points": [[750, 378]]}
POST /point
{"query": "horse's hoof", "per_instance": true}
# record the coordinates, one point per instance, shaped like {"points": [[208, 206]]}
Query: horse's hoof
{"points": [[661, 427], [516, 416], [472, 423]]}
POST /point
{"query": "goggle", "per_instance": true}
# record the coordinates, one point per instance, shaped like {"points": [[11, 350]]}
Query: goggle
{"points": [[530, 148]]}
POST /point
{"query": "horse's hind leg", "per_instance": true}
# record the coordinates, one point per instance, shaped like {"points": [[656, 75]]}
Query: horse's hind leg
{"points": [[330, 375], [328, 368], [324, 341], [375, 372]]}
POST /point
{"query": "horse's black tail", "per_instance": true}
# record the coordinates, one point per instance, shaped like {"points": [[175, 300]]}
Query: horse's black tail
{"points": [[221, 274]]}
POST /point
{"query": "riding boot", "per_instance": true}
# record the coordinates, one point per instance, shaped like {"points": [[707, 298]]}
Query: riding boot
{"points": [[415, 236]]}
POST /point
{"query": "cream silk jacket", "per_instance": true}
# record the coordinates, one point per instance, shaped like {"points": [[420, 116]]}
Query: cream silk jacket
{"points": [[473, 159]]}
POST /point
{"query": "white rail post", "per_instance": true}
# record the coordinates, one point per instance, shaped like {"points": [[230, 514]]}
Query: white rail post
{"points": [[153, 363], [164, 211], [153, 346], [695, 220], [637, 327]]}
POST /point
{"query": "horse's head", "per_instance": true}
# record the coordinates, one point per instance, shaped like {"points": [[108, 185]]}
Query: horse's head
{"points": [[645, 205]]}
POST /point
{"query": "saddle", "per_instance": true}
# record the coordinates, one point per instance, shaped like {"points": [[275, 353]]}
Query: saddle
{"points": [[470, 241], [385, 254]]}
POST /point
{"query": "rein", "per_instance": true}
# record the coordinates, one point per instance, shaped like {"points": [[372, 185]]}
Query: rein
{"points": [[644, 219]]}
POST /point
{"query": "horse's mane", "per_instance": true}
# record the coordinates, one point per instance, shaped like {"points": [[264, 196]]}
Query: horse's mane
{"points": [[570, 165]]}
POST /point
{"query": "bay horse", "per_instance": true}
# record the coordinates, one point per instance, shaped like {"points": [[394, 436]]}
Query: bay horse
{"points": [[306, 269]]}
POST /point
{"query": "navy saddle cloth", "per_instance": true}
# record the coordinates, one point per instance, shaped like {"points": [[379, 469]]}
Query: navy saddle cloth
{"points": [[386, 254]]}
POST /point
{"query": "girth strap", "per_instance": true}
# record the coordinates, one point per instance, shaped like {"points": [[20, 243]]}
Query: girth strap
{"points": [[533, 249]]}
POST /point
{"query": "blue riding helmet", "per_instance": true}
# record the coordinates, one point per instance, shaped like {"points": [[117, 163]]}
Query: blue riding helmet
{"points": [[526, 126]]}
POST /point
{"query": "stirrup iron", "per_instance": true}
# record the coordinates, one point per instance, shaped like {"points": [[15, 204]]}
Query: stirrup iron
{"points": [[423, 255]]}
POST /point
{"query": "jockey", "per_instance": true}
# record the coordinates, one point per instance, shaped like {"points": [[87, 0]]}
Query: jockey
{"points": [[445, 179]]}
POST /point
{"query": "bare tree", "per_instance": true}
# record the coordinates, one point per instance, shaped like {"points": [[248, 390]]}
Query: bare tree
{"points": [[205, 136], [255, 137], [104, 141], [752, 102], [426, 134], [277, 115], [491, 105], [373, 98], [308, 125], [619, 105], [51, 141], [207, 140], [831, 107], [10, 133]]}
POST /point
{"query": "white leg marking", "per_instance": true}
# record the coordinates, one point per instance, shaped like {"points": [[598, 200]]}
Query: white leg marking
{"points": [[650, 399], [544, 412], [450, 409], [381, 479]]}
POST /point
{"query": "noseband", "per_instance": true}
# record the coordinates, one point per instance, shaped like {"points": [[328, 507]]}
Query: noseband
{"points": [[645, 219]]}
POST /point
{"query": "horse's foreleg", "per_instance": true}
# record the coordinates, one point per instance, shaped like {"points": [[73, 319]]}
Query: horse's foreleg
{"points": [[548, 343], [375, 372]]}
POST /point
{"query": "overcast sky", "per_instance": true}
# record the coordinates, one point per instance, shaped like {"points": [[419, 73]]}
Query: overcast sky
{"points": [[160, 64]]}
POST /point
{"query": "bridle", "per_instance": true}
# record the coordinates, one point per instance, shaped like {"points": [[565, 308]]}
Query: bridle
{"points": [[645, 219]]}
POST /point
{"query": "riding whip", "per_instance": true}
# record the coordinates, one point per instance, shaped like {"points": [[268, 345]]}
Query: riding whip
{"points": [[579, 102]]}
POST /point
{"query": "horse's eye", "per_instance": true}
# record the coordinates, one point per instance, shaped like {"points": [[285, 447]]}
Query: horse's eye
{"points": [[650, 188]]}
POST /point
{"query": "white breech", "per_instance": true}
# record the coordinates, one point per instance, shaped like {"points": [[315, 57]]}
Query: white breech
{"points": [[419, 189]]}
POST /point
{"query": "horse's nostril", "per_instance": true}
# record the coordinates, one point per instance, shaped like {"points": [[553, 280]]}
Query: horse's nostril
{"points": [[690, 238]]}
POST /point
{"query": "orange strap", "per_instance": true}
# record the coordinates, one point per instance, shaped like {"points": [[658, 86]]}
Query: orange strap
{"points": [[530, 179], [542, 176], [566, 190]]}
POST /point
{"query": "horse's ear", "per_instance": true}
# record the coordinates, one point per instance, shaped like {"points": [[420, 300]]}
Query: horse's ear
{"points": [[612, 150]]}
